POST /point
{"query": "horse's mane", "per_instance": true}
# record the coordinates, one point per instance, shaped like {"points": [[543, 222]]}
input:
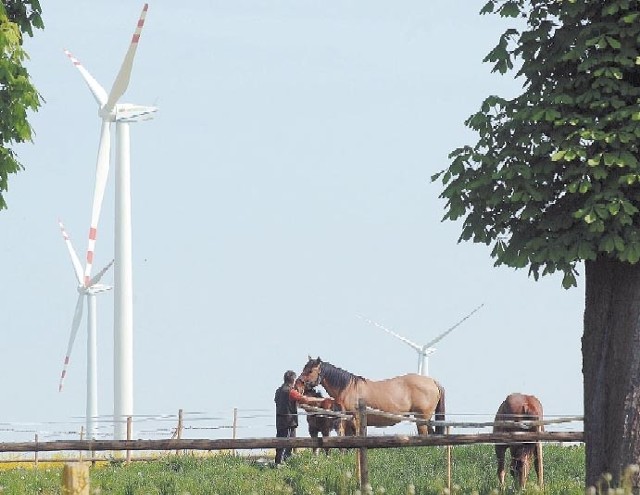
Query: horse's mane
{"points": [[338, 377]]}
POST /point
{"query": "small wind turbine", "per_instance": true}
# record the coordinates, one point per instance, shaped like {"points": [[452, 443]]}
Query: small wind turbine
{"points": [[109, 110], [88, 291], [423, 350]]}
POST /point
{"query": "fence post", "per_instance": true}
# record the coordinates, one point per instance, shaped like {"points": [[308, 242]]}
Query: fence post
{"points": [[449, 462], [75, 478], [179, 428], [81, 438], [35, 454], [540, 463], [362, 451], [129, 424], [235, 425]]}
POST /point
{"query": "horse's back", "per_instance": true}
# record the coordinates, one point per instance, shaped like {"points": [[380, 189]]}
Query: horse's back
{"points": [[518, 407], [401, 394]]}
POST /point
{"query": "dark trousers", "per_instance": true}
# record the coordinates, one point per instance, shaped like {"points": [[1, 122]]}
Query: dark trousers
{"points": [[284, 453]]}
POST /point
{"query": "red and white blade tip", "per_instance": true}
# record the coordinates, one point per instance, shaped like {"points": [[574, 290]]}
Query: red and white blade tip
{"points": [[64, 373]]}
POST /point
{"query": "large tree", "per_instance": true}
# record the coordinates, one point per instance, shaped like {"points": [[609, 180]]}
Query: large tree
{"points": [[17, 93], [554, 180]]}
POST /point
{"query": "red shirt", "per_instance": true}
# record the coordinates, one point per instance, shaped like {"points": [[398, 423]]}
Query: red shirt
{"points": [[295, 395]]}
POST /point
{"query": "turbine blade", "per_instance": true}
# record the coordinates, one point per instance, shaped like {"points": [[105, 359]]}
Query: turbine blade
{"points": [[102, 172], [98, 91], [448, 331], [403, 339], [77, 267], [99, 275], [122, 79], [77, 316]]}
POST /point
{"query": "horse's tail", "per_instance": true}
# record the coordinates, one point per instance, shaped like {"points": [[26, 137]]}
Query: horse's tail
{"points": [[440, 410]]}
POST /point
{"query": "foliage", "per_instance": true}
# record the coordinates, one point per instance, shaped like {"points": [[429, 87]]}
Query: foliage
{"points": [[420, 471], [17, 94], [554, 177]]}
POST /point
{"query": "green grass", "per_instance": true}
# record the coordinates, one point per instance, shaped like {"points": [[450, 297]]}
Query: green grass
{"points": [[420, 471]]}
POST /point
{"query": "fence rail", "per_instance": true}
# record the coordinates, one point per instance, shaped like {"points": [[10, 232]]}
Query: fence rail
{"points": [[369, 442]]}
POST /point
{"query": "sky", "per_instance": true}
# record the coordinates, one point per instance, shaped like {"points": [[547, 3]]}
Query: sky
{"points": [[282, 189]]}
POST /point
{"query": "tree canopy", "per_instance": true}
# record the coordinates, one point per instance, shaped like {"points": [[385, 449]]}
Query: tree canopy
{"points": [[17, 94], [554, 177]]}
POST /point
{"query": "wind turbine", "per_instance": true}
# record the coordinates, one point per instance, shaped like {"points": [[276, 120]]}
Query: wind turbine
{"points": [[423, 350], [109, 110], [88, 291]]}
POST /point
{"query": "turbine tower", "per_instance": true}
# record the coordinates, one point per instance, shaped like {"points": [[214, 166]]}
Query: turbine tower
{"points": [[423, 350], [88, 291], [109, 110]]}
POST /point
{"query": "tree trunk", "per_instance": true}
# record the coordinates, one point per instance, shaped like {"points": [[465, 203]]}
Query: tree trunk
{"points": [[611, 369]]}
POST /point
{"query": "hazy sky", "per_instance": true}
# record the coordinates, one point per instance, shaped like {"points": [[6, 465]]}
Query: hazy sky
{"points": [[282, 189]]}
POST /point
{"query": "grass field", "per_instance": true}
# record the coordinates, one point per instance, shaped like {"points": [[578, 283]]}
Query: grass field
{"points": [[405, 471]]}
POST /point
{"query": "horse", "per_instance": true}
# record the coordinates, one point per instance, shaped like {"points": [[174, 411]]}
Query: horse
{"points": [[322, 423], [413, 394], [519, 407]]}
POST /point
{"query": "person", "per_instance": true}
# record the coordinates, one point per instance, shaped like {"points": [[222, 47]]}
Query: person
{"points": [[287, 397]]}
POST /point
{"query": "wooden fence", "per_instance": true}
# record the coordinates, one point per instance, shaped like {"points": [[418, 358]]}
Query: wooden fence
{"points": [[361, 442]]}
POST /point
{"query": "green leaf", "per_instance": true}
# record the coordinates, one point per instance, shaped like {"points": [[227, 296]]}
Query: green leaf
{"points": [[614, 43], [569, 280], [614, 208], [488, 8], [509, 9], [558, 155], [607, 244], [595, 161]]}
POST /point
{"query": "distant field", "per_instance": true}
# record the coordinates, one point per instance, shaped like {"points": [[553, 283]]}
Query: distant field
{"points": [[391, 471]]}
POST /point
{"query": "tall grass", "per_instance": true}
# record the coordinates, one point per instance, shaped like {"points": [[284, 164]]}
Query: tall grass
{"points": [[407, 471]]}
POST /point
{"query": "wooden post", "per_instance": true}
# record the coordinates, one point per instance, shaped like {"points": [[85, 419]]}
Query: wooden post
{"points": [[129, 424], [362, 451], [449, 462], [541, 464], [235, 426], [35, 454], [81, 438], [179, 428], [75, 478]]}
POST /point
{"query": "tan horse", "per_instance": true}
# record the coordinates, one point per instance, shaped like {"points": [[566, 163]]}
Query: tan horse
{"points": [[417, 395], [519, 407]]}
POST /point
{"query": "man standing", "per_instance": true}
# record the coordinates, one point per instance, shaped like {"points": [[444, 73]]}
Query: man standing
{"points": [[287, 399]]}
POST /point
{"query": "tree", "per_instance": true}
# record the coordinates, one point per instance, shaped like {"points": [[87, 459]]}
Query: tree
{"points": [[554, 180], [17, 94]]}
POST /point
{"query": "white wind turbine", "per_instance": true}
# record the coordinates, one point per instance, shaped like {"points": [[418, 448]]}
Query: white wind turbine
{"points": [[109, 110], [423, 350], [88, 291]]}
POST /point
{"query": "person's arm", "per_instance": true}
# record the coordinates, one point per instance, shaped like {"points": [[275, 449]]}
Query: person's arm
{"points": [[311, 401]]}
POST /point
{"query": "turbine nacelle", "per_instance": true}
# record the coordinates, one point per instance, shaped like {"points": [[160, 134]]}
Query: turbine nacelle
{"points": [[94, 289], [127, 112]]}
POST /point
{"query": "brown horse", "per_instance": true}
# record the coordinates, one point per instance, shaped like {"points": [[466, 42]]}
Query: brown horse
{"points": [[519, 407], [322, 423], [412, 394]]}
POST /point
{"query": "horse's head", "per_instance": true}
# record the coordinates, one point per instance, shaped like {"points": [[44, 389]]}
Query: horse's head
{"points": [[520, 463], [311, 374], [299, 385]]}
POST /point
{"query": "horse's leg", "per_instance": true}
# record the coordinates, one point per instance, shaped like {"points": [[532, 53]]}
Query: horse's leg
{"points": [[313, 432], [326, 431], [423, 428], [501, 450], [538, 464]]}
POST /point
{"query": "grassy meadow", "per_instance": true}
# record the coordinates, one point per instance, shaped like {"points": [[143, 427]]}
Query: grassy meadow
{"points": [[405, 471]]}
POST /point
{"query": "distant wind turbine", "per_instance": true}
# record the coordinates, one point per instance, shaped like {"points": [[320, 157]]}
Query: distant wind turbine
{"points": [[109, 110], [423, 350], [86, 290]]}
